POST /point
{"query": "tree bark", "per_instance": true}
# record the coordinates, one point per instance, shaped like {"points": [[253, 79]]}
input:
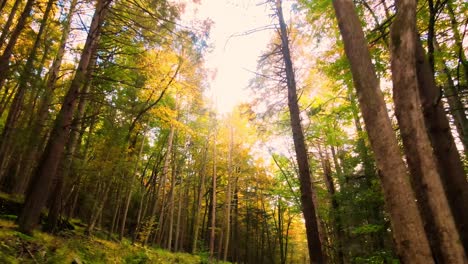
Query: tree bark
{"points": [[434, 207], [410, 240], [35, 198], [308, 206], [38, 126], [6, 56], [450, 165]]}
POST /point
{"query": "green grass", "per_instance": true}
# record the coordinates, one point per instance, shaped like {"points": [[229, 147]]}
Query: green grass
{"points": [[16, 247]]}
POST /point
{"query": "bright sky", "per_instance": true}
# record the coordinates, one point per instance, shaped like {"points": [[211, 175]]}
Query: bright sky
{"points": [[233, 58]]}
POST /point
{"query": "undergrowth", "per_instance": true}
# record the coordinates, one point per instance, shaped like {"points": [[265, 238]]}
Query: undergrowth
{"points": [[75, 247]]}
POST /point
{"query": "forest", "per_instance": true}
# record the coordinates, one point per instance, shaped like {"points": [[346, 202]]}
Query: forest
{"points": [[351, 148]]}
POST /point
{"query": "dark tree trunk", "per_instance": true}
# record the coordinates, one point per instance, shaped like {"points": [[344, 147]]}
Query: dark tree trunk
{"points": [[7, 25], [337, 223], [2, 4], [43, 109], [5, 58], [17, 104], [47, 168], [308, 206], [451, 168]]}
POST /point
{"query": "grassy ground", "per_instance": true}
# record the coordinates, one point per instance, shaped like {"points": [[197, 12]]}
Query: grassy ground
{"points": [[74, 247]]}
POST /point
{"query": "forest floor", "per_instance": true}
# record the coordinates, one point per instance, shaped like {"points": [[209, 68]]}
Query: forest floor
{"points": [[75, 247]]}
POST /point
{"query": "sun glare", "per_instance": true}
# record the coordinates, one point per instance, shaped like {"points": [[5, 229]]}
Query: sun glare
{"points": [[234, 52]]}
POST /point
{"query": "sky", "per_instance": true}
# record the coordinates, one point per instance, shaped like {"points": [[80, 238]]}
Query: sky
{"points": [[233, 58]]}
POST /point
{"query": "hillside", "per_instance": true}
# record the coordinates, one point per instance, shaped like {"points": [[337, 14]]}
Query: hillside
{"points": [[75, 247]]}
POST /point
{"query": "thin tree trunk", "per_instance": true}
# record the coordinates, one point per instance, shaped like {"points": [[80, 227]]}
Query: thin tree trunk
{"points": [[2, 4], [440, 226], [201, 190], [213, 202], [458, 40], [235, 233], [172, 205], [308, 206], [43, 110], [8, 51], [227, 219], [179, 213], [411, 242], [130, 189], [7, 25], [36, 198], [17, 105], [116, 212], [161, 189], [456, 107], [337, 224], [96, 215]]}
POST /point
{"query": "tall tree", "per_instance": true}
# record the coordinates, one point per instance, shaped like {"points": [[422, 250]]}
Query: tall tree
{"points": [[35, 198], [450, 166], [308, 206], [213, 201], [23, 85], [15, 34], [411, 242], [435, 209]]}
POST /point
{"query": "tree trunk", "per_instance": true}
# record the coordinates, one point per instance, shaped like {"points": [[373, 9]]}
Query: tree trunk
{"points": [[116, 212], [456, 107], [337, 224], [213, 202], [7, 25], [451, 167], [435, 210], [227, 212], [16, 107], [161, 188], [179, 214], [2, 4], [308, 206], [97, 214], [65, 167], [130, 190], [172, 205], [458, 39], [37, 194], [411, 242], [201, 190], [5, 58], [43, 110]]}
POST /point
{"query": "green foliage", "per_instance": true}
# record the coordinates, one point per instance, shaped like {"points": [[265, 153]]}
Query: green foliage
{"points": [[16, 247], [137, 258], [367, 229]]}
